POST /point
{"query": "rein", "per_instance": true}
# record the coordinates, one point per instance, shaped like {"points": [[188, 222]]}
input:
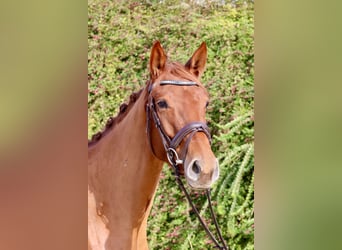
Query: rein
{"points": [[170, 146]]}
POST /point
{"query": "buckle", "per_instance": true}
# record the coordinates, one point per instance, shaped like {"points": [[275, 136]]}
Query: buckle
{"points": [[173, 158]]}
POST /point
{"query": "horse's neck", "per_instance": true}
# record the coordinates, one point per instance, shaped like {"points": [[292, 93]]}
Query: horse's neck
{"points": [[123, 173]]}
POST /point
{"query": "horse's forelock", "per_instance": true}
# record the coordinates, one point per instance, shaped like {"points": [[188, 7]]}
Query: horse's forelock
{"points": [[180, 71]]}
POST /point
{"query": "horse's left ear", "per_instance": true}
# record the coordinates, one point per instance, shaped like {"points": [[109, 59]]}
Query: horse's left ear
{"points": [[196, 63]]}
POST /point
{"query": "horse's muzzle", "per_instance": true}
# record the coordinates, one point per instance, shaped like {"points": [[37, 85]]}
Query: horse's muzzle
{"points": [[201, 175]]}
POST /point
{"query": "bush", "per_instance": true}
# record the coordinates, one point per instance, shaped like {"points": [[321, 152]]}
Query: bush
{"points": [[120, 36]]}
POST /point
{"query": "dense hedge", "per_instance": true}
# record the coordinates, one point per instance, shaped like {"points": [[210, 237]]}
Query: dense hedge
{"points": [[120, 36]]}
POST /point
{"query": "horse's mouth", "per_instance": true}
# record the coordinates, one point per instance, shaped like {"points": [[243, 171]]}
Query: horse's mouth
{"points": [[196, 186]]}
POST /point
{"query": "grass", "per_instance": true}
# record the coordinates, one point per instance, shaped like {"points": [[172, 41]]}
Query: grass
{"points": [[120, 36]]}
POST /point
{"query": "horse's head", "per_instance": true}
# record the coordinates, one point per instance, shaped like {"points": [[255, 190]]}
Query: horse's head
{"points": [[177, 100]]}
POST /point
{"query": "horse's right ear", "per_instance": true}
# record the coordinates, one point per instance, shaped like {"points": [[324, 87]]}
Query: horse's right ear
{"points": [[157, 60]]}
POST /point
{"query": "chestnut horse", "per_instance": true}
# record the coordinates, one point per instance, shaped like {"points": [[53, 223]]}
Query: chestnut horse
{"points": [[125, 160]]}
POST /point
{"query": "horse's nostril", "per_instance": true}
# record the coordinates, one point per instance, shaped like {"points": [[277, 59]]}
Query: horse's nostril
{"points": [[196, 167]]}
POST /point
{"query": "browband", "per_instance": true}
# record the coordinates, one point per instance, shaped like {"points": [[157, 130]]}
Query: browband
{"points": [[172, 82], [178, 83]]}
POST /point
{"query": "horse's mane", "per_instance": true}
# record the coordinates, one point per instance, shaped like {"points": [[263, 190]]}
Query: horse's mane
{"points": [[112, 121]]}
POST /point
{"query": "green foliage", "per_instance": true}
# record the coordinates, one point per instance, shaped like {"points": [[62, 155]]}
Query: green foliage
{"points": [[120, 36]]}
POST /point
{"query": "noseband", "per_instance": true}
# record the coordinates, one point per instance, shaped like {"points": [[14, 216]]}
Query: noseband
{"points": [[171, 145]]}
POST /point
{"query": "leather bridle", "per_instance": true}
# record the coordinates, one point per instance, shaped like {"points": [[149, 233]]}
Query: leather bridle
{"points": [[171, 145]]}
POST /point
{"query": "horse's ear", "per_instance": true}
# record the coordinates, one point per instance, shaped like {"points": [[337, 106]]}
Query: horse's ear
{"points": [[196, 63], [157, 60]]}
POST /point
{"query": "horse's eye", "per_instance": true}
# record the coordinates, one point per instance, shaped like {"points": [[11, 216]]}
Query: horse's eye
{"points": [[162, 104], [206, 105]]}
